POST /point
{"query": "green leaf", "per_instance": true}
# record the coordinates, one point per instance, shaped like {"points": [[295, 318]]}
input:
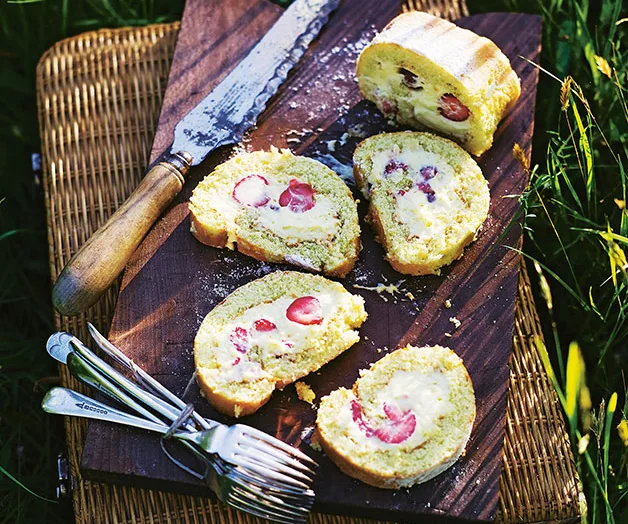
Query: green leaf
{"points": [[575, 374], [547, 364], [585, 149], [16, 481]]}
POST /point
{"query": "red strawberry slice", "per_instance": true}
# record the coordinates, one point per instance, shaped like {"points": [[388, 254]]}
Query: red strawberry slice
{"points": [[452, 108], [251, 191], [264, 325], [400, 428], [299, 197], [356, 413], [306, 311], [409, 79], [428, 172], [239, 337], [393, 412], [388, 107], [428, 190], [394, 165], [236, 361]]}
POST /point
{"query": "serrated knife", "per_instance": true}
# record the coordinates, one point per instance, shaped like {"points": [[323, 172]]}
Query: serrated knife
{"points": [[221, 118]]}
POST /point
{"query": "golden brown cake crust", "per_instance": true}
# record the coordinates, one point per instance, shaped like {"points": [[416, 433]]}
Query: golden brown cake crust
{"points": [[348, 467], [216, 354], [418, 140], [228, 406], [218, 238], [446, 60], [355, 466], [372, 478], [209, 237], [216, 220]]}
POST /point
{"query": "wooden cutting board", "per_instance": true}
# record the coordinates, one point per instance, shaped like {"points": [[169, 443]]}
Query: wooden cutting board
{"points": [[173, 281]]}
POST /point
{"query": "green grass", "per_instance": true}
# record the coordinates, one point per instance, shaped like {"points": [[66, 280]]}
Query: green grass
{"points": [[29, 439], [576, 231], [576, 226]]}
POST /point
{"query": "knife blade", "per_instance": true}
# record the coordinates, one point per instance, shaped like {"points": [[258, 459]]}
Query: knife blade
{"points": [[221, 118], [236, 102]]}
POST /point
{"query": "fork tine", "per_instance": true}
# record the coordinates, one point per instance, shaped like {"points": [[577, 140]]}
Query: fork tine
{"points": [[301, 500], [272, 474], [260, 513], [279, 504], [276, 454], [239, 502], [278, 466], [249, 493], [267, 510], [290, 450], [305, 497]]}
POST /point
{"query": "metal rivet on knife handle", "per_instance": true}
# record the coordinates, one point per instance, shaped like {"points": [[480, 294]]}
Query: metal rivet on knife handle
{"points": [[103, 257]]}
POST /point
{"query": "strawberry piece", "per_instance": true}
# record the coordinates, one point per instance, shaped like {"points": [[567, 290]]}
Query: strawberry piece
{"points": [[393, 412], [251, 191], [400, 429], [264, 325], [393, 165], [236, 361], [427, 189], [239, 337], [299, 197], [452, 108], [356, 413], [409, 79], [306, 311], [428, 172], [387, 107]]}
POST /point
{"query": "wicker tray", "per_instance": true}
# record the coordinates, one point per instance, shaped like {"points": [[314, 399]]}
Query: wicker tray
{"points": [[99, 96]]}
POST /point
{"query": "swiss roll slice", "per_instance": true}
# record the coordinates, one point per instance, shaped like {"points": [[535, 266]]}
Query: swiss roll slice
{"points": [[279, 207], [426, 72]]}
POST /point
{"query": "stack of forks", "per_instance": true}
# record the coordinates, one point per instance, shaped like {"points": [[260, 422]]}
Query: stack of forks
{"points": [[246, 468]]}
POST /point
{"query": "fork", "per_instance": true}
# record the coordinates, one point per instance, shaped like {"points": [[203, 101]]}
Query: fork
{"points": [[230, 442], [231, 484], [265, 476]]}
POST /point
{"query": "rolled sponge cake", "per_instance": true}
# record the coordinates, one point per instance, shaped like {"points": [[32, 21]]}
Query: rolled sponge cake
{"points": [[279, 207], [428, 198], [426, 72], [269, 333], [406, 419]]}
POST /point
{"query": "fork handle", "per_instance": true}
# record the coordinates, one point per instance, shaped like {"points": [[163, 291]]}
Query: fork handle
{"points": [[102, 258], [63, 401]]}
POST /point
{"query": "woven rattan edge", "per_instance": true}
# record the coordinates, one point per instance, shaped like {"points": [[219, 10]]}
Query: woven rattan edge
{"points": [[103, 503], [99, 35]]}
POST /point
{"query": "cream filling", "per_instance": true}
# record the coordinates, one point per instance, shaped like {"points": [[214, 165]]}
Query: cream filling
{"points": [[425, 394], [227, 208], [414, 159], [429, 221], [420, 104], [286, 340], [319, 223]]}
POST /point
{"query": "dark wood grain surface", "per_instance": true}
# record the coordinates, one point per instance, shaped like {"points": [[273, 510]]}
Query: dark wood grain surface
{"points": [[173, 281]]}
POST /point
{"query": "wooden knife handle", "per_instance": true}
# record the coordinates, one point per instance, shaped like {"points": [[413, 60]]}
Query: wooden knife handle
{"points": [[98, 263]]}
